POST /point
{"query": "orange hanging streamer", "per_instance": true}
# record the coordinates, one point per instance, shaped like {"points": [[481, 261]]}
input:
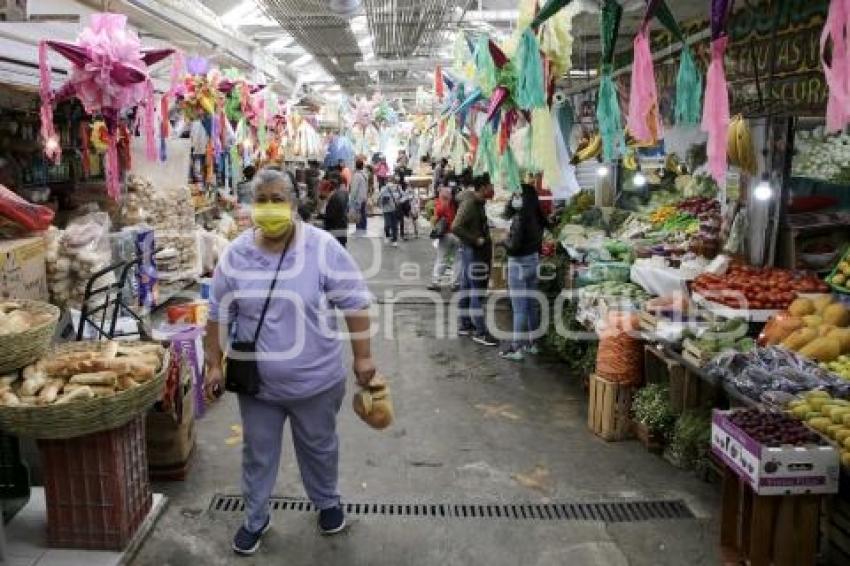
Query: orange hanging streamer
{"points": [[439, 86]]}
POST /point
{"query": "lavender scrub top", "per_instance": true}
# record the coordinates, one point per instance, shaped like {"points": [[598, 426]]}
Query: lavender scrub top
{"points": [[299, 348]]}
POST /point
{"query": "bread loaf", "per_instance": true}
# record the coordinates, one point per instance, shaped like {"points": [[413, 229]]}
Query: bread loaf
{"points": [[80, 394], [104, 378]]}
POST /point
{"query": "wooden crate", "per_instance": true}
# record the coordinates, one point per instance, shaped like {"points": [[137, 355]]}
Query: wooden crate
{"points": [[761, 530], [608, 409], [836, 529]]}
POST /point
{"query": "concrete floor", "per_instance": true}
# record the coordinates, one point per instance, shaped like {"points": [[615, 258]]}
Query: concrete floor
{"points": [[470, 428]]}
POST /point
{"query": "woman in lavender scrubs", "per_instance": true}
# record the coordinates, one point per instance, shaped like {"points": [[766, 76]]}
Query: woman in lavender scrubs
{"points": [[302, 377]]}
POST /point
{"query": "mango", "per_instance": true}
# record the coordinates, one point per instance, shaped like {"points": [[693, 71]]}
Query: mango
{"points": [[799, 338], [821, 302], [822, 349], [831, 430], [801, 307], [813, 320], [836, 314], [820, 423]]}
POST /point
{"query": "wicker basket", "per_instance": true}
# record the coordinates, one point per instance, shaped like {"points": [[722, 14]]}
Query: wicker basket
{"points": [[21, 349], [83, 417]]}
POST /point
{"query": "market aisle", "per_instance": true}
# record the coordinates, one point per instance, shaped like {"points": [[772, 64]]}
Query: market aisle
{"points": [[471, 428]]}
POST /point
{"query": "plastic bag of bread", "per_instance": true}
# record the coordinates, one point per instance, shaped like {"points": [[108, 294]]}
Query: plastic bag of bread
{"points": [[373, 404]]}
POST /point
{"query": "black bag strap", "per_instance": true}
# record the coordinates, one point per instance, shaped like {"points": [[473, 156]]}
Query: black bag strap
{"points": [[269, 296]]}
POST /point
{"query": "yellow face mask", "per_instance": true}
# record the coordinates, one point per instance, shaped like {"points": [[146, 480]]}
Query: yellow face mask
{"points": [[274, 219]]}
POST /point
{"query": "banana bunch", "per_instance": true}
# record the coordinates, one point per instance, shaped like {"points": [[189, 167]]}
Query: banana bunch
{"points": [[587, 149], [630, 161], [739, 146]]}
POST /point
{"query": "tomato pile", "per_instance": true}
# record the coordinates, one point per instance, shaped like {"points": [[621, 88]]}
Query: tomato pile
{"points": [[763, 288]]}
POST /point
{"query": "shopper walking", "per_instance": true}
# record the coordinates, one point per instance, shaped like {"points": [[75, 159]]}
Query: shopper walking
{"points": [[448, 246], [390, 199], [522, 246], [471, 228], [277, 285], [409, 209], [336, 213], [359, 195]]}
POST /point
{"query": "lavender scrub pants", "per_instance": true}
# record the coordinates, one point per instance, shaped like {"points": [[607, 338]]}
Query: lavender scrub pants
{"points": [[313, 424]]}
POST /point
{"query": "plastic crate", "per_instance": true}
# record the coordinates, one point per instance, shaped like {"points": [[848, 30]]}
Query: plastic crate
{"points": [[97, 488], [14, 476]]}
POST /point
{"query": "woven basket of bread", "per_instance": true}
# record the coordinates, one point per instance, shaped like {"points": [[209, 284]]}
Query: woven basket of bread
{"points": [[26, 331], [81, 388]]}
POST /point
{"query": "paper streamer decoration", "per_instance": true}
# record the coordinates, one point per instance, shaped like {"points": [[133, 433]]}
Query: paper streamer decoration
{"points": [[689, 79], [497, 99], [485, 68], [543, 145], [531, 91], [644, 120], [556, 40], [836, 37], [548, 10], [608, 103], [509, 173], [439, 86], [688, 90], [715, 117], [485, 154]]}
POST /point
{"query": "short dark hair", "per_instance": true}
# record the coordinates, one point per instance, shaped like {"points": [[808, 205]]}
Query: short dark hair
{"points": [[358, 164], [249, 171], [481, 181]]}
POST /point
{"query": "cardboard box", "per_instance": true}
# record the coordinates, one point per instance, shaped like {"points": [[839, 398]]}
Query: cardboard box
{"points": [[23, 272], [169, 442], [786, 470]]}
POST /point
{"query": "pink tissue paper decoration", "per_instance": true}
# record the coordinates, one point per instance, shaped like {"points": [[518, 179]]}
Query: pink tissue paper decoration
{"points": [[715, 115], [109, 74], [837, 71], [644, 119]]}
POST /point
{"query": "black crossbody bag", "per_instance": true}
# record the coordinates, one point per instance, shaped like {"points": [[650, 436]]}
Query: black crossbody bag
{"points": [[242, 375]]}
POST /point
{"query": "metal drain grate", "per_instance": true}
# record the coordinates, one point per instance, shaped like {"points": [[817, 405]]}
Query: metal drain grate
{"points": [[609, 512]]}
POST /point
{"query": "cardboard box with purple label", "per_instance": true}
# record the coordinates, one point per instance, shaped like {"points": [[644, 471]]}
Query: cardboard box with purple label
{"points": [[774, 470]]}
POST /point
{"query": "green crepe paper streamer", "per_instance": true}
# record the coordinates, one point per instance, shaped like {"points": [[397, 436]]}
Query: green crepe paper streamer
{"points": [[688, 90], [233, 106], [609, 20], [530, 163], [608, 116], [530, 92], [485, 68], [510, 172], [485, 154], [547, 11], [608, 103], [566, 120], [261, 132]]}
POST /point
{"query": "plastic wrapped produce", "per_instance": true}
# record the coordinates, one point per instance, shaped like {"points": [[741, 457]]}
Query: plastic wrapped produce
{"points": [[774, 369]]}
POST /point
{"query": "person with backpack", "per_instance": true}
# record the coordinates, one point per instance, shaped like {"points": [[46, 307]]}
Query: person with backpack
{"points": [[448, 245], [390, 201], [523, 245]]}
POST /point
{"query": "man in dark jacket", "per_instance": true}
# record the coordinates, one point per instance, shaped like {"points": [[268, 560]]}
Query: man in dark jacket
{"points": [[471, 228], [336, 213]]}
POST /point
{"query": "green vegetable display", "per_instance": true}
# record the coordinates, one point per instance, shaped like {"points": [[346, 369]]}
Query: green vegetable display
{"points": [[690, 440]]}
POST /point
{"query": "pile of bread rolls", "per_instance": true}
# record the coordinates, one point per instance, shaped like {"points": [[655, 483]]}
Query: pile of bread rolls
{"points": [[70, 376], [374, 405], [169, 211], [14, 318]]}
